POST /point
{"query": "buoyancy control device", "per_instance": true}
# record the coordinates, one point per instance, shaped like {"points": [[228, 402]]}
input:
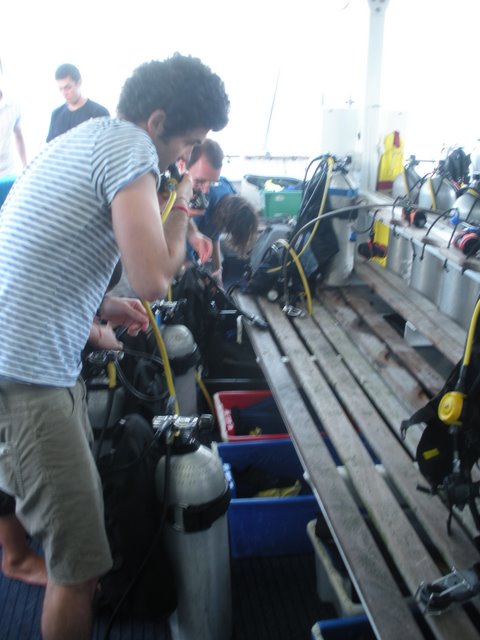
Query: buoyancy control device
{"points": [[141, 581], [213, 318], [191, 481], [305, 254], [447, 451]]}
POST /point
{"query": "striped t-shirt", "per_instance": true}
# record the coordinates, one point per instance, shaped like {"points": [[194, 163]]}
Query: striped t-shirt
{"points": [[57, 248]]}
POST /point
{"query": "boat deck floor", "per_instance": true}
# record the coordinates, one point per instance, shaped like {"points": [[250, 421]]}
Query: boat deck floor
{"points": [[274, 598]]}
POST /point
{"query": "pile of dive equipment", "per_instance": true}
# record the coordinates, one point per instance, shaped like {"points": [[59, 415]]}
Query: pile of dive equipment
{"points": [[451, 190], [166, 495], [289, 260], [450, 444]]}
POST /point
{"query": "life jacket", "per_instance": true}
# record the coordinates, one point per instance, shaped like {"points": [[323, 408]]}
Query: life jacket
{"points": [[391, 161]]}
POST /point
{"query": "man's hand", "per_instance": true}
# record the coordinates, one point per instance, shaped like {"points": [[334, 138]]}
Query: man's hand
{"points": [[201, 244], [184, 190], [125, 312], [102, 336]]}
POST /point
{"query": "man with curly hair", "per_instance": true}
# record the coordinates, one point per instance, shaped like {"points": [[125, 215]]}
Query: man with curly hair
{"points": [[89, 198]]}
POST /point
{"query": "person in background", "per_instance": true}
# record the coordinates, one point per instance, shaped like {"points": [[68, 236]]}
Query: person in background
{"points": [[205, 165], [77, 108], [230, 216], [223, 213], [10, 131], [85, 210]]}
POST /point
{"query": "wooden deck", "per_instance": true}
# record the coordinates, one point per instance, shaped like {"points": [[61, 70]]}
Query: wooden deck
{"points": [[346, 371]]}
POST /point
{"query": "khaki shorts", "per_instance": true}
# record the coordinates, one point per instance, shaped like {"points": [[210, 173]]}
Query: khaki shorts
{"points": [[47, 465]]}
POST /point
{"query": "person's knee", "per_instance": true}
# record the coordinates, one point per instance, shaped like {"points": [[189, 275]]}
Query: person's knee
{"points": [[84, 589]]}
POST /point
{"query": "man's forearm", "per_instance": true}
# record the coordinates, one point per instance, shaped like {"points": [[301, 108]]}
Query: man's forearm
{"points": [[175, 230]]}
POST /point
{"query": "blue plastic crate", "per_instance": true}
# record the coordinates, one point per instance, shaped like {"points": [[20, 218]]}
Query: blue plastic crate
{"points": [[351, 628], [268, 526]]}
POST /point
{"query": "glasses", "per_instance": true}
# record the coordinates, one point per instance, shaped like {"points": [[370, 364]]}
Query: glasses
{"points": [[199, 184]]}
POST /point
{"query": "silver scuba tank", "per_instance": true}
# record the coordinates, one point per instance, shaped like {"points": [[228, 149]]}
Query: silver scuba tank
{"points": [[475, 159], [468, 204], [342, 192], [437, 192], [183, 357], [196, 531], [407, 184]]}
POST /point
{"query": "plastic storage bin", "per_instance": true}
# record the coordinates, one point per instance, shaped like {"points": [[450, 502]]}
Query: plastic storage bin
{"points": [[332, 585], [268, 526], [263, 414], [353, 628], [281, 204]]}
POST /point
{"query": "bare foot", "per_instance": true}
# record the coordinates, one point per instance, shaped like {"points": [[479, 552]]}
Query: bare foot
{"points": [[30, 569]]}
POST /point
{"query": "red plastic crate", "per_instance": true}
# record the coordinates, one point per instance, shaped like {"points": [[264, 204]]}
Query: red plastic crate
{"points": [[224, 401]]}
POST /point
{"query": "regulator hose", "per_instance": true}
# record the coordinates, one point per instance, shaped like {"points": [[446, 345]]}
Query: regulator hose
{"points": [[164, 355]]}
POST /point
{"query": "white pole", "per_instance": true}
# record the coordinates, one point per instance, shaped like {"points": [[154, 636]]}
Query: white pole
{"points": [[371, 122]]}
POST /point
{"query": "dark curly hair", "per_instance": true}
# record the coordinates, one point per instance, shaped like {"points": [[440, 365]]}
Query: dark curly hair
{"points": [[238, 220], [189, 93]]}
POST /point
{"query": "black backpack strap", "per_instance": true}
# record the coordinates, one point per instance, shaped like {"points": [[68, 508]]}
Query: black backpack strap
{"points": [[424, 414]]}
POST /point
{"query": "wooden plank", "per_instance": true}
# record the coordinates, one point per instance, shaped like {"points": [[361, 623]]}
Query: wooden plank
{"points": [[400, 380], [411, 556], [385, 401], [391, 406], [457, 549], [388, 613], [446, 335], [418, 367]]}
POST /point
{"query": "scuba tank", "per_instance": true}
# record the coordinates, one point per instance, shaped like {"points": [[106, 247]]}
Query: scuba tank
{"points": [[183, 354], [407, 184], [196, 529], [468, 203], [183, 357], [475, 159], [342, 192], [437, 192]]}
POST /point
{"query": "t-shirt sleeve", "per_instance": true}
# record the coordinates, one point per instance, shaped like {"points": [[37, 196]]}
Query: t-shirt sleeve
{"points": [[121, 156]]}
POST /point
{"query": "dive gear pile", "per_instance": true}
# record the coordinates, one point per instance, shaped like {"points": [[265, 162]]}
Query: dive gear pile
{"points": [[165, 494], [288, 259]]}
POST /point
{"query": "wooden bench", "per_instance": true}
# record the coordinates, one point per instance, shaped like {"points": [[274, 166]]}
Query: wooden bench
{"points": [[346, 372]]}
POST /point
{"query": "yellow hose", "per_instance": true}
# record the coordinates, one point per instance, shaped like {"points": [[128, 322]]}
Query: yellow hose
{"points": [[450, 407], [330, 162], [303, 277], [112, 375], [204, 390], [471, 334], [163, 353], [168, 207]]}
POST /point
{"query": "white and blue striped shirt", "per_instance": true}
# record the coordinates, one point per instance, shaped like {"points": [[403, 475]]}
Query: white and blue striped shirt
{"points": [[57, 248]]}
